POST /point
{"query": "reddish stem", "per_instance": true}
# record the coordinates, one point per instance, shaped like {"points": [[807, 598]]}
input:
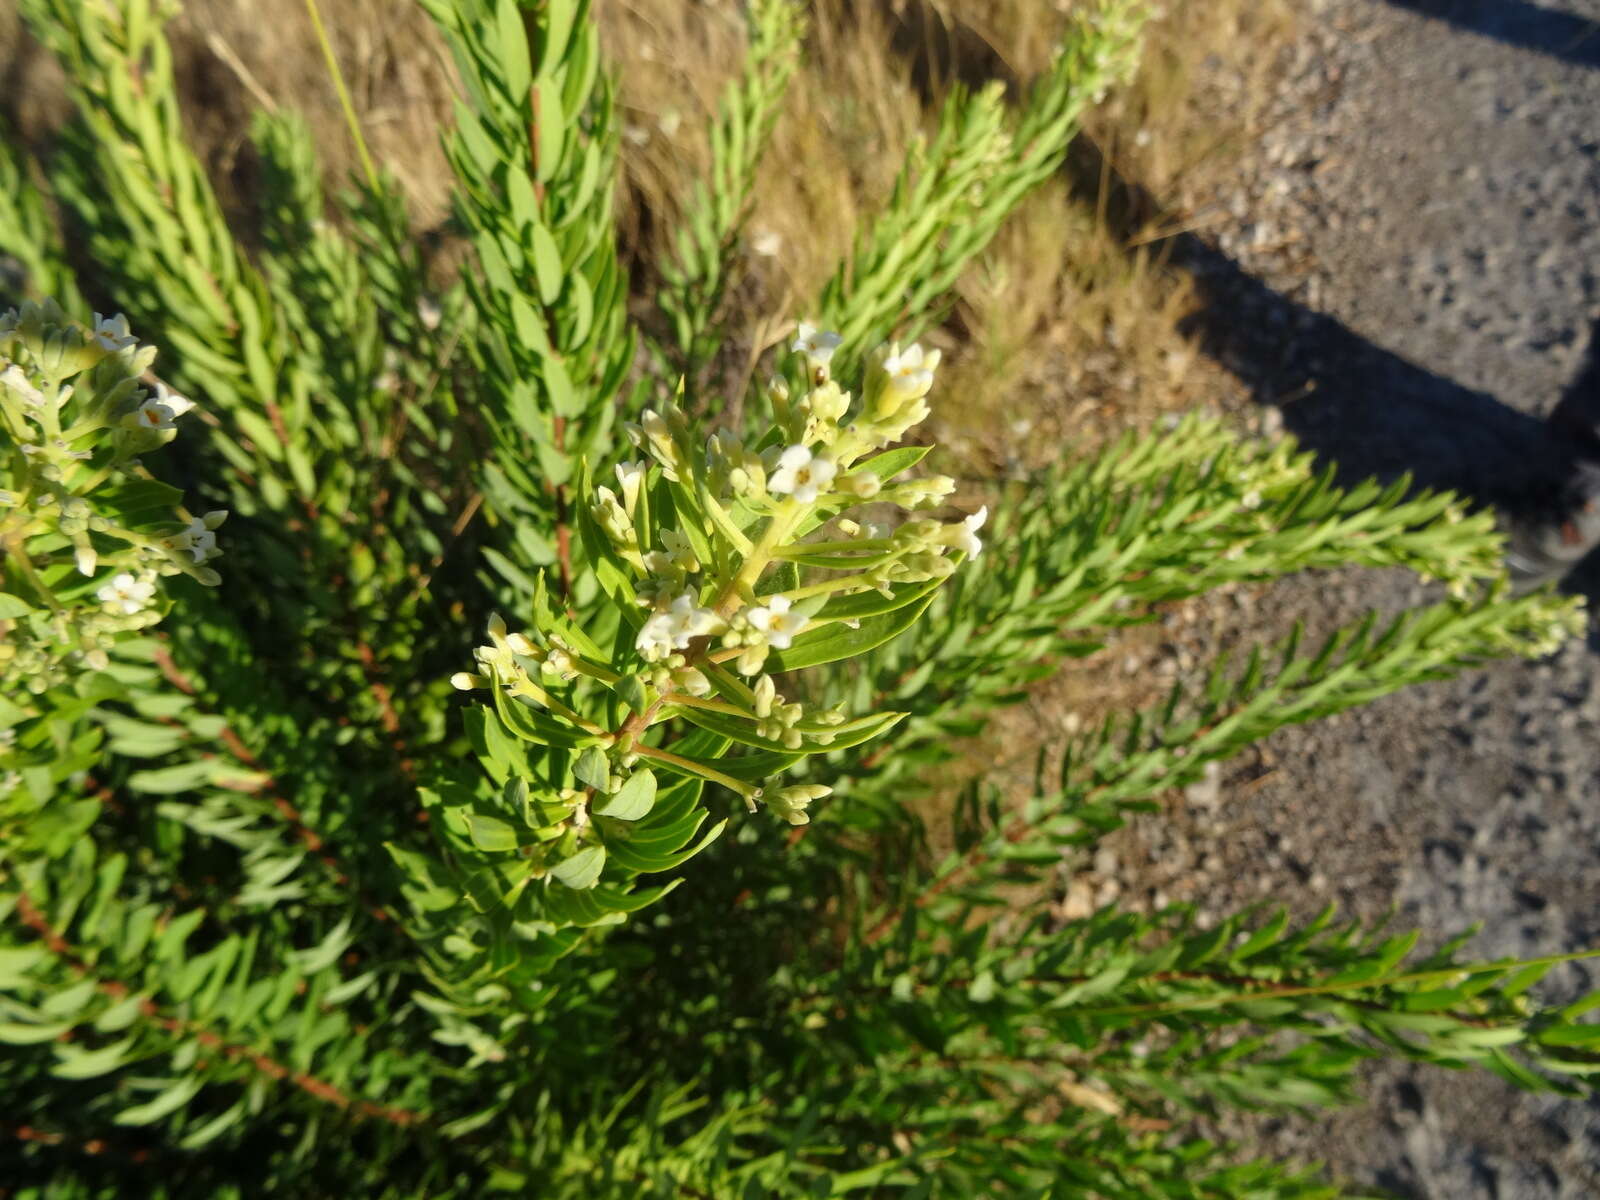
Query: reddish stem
{"points": [[58, 945]]}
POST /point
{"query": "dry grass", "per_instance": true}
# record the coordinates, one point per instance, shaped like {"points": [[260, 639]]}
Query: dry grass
{"points": [[1063, 311], [234, 56], [1068, 329]]}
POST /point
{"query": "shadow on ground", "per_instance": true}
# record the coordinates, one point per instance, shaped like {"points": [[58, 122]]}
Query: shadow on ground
{"points": [[1518, 23], [1363, 409], [1359, 407]]}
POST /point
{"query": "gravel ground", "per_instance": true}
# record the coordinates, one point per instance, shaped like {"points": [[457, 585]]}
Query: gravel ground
{"points": [[1408, 282]]}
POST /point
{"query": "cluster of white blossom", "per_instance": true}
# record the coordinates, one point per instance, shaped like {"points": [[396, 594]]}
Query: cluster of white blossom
{"points": [[75, 412], [738, 550], [809, 466]]}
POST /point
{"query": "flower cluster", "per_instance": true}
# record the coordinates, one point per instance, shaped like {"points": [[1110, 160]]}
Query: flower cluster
{"points": [[800, 478], [75, 412], [733, 558]]}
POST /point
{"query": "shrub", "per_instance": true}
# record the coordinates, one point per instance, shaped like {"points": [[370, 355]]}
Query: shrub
{"points": [[300, 897]]}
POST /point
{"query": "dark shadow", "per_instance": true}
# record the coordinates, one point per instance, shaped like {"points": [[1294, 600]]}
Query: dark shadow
{"points": [[1518, 23], [1360, 407]]}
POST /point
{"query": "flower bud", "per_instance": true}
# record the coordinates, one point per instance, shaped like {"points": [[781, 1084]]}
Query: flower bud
{"points": [[630, 478], [612, 517], [863, 485], [765, 693], [827, 402], [791, 803]]}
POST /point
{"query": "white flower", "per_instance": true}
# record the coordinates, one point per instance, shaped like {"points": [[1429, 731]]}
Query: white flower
{"points": [[630, 477], [818, 345], [197, 540], [801, 474], [127, 593], [429, 313], [558, 663], [161, 410], [655, 638], [910, 372], [690, 621], [766, 243], [112, 333], [13, 378], [675, 627], [966, 535], [775, 621], [86, 557], [679, 551]]}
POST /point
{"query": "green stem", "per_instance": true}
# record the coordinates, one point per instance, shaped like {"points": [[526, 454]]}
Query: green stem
{"points": [[1329, 988], [685, 764], [724, 521], [863, 545], [727, 681], [778, 528], [24, 565], [827, 586], [535, 692], [344, 95], [717, 706]]}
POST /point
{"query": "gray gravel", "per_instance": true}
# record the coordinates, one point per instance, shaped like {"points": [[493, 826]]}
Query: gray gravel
{"points": [[1411, 279]]}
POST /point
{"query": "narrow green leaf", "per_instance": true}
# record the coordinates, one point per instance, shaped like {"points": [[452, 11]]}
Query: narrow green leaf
{"points": [[839, 641], [490, 833], [169, 1101], [86, 1064]]}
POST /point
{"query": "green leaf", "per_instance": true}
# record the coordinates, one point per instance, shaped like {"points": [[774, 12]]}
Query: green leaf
{"points": [[70, 1001], [326, 952], [490, 833], [167, 781], [513, 49], [634, 799], [120, 1015], [875, 603], [18, 1033], [735, 729], [174, 1098], [982, 988], [593, 769], [551, 126], [1571, 1035], [891, 462], [631, 689], [12, 607], [139, 501], [547, 266], [15, 962], [839, 641], [583, 869], [86, 1064], [217, 1126]]}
